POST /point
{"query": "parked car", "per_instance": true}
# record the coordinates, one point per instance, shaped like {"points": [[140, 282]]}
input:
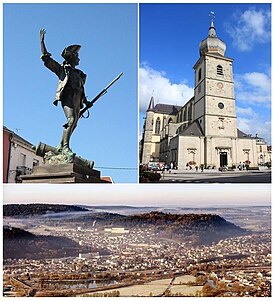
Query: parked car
{"points": [[152, 166]]}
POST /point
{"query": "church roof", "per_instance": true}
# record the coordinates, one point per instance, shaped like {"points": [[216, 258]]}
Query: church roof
{"points": [[151, 104], [166, 109], [212, 44], [244, 135], [193, 130]]}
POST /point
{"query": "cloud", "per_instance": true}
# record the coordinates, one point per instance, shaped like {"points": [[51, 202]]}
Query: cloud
{"points": [[253, 88], [249, 28], [251, 122], [245, 111], [153, 82], [253, 98]]}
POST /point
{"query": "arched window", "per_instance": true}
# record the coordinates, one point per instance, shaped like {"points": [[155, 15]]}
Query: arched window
{"points": [[189, 114], [184, 116], [179, 116], [170, 120], [157, 127], [219, 70]]}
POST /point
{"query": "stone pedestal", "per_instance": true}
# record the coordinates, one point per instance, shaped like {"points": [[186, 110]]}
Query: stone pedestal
{"points": [[63, 173]]}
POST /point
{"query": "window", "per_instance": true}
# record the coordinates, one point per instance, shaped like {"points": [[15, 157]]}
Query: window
{"points": [[189, 113], [199, 89], [179, 117], [221, 105], [22, 160], [184, 116], [199, 76], [219, 70], [170, 120], [157, 127]]}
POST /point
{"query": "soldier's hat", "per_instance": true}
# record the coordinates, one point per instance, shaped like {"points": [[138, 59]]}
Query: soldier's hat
{"points": [[68, 51]]}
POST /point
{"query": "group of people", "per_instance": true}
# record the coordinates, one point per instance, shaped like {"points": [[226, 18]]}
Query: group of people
{"points": [[243, 166], [173, 165], [189, 166]]}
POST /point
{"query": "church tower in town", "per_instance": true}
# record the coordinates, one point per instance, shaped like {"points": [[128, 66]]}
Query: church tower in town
{"points": [[214, 103], [204, 131], [214, 88]]}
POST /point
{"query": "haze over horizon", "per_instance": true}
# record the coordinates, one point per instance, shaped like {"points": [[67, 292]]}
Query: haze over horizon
{"points": [[140, 195]]}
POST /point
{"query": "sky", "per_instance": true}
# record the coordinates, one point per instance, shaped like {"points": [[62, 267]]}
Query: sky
{"points": [[108, 36], [169, 47], [141, 195]]}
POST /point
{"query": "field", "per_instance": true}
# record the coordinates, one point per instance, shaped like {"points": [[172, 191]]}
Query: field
{"points": [[157, 288]]}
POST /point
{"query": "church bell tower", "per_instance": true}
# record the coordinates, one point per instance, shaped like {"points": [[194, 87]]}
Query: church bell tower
{"points": [[214, 106]]}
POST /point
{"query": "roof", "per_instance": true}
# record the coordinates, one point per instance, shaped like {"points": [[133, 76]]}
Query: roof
{"points": [[16, 136], [193, 130], [244, 135], [106, 179], [151, 104], [212, 44], [166, 109]]}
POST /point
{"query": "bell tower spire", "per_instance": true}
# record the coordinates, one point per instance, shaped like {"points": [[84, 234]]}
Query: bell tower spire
{"points": [[151, 104], [212, 44], [214, 87], [212, 30]]}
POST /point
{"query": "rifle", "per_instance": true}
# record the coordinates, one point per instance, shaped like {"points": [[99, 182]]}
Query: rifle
{"points": [[89, 104]]}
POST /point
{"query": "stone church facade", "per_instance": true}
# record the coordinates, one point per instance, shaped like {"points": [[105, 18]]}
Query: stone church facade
{"points": [[203, 131]]}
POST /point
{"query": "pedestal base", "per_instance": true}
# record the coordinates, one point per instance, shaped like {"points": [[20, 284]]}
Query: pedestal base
{"points": [[63, 173]]}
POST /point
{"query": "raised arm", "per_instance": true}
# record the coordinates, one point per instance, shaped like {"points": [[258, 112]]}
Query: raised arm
{"points": [[42, 43], [46, 58]]}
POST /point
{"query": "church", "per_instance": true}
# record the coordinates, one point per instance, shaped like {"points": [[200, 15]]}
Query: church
{"points": [[204, 131]]}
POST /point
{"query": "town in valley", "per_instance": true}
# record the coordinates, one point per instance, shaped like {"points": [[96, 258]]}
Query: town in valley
{"points": [[138, 251]]}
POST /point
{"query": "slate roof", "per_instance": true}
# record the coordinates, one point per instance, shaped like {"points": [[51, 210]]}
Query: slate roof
{"points": [[247, 136], [194, 129], [166, 109]]}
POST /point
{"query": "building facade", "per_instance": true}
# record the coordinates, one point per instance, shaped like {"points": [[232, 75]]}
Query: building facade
{"points": [[204, 131], [19, 157]]}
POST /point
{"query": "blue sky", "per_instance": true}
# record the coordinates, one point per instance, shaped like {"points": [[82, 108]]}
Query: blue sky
{"points": [[108, 36], [169, 47]]}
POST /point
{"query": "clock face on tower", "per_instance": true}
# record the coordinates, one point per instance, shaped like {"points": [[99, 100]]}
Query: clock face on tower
{"points": [[220, 85]]}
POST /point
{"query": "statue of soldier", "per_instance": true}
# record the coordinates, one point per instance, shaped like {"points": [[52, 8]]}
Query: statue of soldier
{"points": [[70, 89]]}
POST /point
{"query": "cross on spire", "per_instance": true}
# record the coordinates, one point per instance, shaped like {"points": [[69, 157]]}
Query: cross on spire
{"points": [[212, 15]]}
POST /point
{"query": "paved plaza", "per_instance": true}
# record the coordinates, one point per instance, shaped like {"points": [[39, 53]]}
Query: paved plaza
{"points": [[215, 176]]}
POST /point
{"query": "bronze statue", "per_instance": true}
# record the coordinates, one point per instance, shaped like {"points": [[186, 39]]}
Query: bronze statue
{"points": [[70, 90], [70, 93]]}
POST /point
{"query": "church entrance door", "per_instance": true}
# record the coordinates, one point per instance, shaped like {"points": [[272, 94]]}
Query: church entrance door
{"points": [[223, 159]]}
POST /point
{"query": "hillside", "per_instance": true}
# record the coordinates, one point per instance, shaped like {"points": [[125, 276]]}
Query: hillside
{"points": [[197, 228], [23, 244], [38, 209], [194, 228], [191, 228]]}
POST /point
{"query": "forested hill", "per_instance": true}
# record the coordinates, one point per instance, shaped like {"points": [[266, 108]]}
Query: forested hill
{"points": [[38, 209], [198, 228], [19, 243], [188, 220]]}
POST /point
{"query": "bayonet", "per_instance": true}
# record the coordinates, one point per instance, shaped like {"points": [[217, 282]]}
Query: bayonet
{"points": [[89, 104]]}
